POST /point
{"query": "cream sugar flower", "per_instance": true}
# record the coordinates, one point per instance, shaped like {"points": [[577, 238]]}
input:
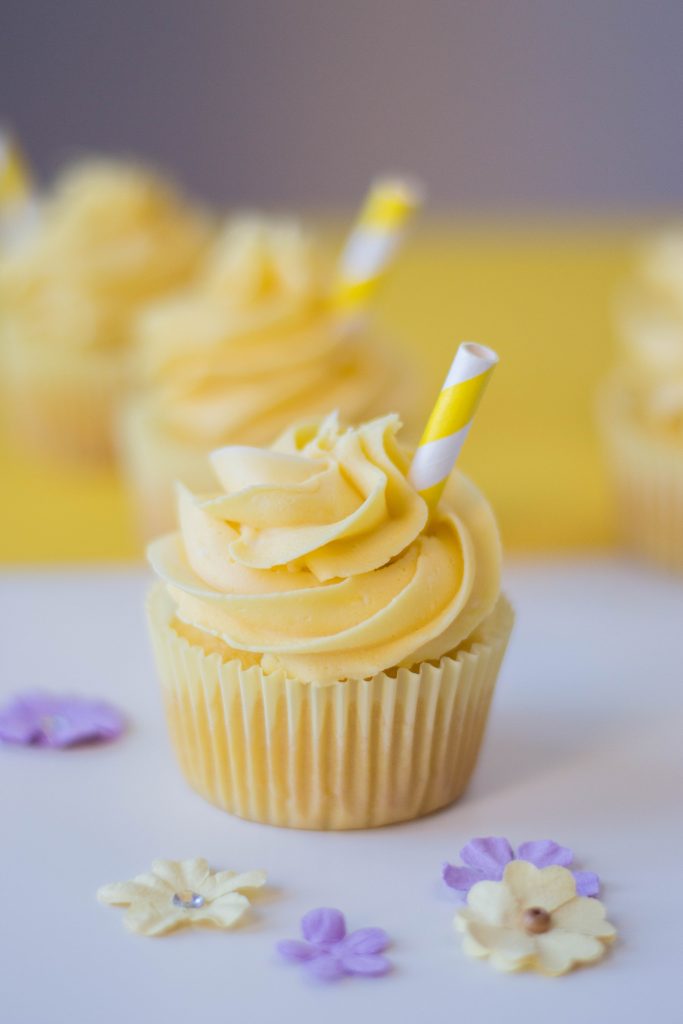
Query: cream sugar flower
{"points": [[177, 894], [534, 920]]}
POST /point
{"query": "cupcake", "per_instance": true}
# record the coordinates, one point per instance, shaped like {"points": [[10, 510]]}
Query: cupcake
{"points": [[641, 407], [253, 344], [328, 650], [109, 238]]}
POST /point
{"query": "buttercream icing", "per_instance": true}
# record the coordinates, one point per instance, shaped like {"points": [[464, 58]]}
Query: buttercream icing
{"points": [[255, 343], [110, 237], [319, 556]]}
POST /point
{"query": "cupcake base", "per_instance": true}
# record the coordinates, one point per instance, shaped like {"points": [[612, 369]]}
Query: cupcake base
{"points": [[151, 463], [345, 755], [647, 477], [61, 404]]}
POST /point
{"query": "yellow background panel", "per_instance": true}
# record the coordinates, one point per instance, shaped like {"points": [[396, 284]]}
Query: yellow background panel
{"points": [[539, 296]]}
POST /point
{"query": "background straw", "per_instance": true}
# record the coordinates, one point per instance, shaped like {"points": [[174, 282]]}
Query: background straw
{"points": [[374, 239], [15, 180]]}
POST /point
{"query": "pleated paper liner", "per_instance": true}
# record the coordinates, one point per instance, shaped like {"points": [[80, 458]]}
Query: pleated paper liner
{"points": [[61, 404], [345, 755], [647, 478]]}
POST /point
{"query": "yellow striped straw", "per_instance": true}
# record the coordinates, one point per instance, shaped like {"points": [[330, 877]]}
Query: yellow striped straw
{"points": [[375, 237], [451, 420], [15, 181]]}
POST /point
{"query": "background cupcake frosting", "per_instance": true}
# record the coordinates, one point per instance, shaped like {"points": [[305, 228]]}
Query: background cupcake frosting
{"points": [[255, 343], [650, 321], [109, 237], [80, 260]]}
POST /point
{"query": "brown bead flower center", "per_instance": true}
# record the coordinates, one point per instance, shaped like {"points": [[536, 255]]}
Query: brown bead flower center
{"points": [[536, 921]]}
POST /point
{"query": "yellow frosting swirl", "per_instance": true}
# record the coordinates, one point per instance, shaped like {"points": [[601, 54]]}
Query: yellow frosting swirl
{"points": [[109, 238], [652, 331], [318, 555], [255, 343]]}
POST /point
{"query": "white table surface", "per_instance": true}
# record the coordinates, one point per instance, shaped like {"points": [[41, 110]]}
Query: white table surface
{"points": [[584, 747]]}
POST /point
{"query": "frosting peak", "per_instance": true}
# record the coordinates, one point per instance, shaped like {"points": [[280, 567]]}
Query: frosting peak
{"points": [[335, 505], [319, 555], [256, 260], [100, 198]]}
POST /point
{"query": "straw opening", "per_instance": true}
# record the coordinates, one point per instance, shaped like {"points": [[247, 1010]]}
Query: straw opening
{"points": [[477, 351]]}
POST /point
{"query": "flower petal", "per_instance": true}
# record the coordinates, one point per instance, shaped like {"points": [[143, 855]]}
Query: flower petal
{"points": [[370, 966], [169, 875], [460, 878], [472, 948], [323, 925], [296, 951], [511, 944], [558, 951], [153, 917], [544, 853], [587, 883], [107, 720], [489, 855], [18, 723], [364, 942], [52, 720], [223, 912], [530, 886], [195, 873], [584, 915], [325, 967], [118, 894], [224, 882], [179, 875], [78, 720], [492, 902], [140, 888], [503, 963]]}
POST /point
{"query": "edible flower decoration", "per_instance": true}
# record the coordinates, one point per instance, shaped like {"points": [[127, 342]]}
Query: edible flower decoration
{"points": [[486, 860], [533, 920], [180, 894], [49, 720], [328, 952]]}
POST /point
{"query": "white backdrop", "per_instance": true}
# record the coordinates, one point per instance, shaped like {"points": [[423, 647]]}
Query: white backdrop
{"points": [[584, 747]]}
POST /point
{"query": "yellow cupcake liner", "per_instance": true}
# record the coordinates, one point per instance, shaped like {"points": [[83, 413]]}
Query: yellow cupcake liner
{"points": [[61, 404], [647, 478], [345, 755]]}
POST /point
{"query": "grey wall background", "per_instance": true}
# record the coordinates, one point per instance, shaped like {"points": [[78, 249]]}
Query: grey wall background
{"points": [[495, 103]]}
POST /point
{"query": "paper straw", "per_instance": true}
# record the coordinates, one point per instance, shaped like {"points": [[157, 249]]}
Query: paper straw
{"points": [[373, 241], [451, 420], [15, 181]]}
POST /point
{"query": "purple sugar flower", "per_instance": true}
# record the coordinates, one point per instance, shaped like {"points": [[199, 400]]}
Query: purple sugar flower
{"points": [[486, 859], [48, 720], [328, 953]]}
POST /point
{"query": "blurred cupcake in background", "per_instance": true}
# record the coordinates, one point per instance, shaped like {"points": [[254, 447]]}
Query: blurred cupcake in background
{"points": [[641, 407], [266, 334], [107, 239], [18, 201]]}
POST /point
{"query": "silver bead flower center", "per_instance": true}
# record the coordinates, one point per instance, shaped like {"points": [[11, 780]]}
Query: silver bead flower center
{"points": [[188, 900]]}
